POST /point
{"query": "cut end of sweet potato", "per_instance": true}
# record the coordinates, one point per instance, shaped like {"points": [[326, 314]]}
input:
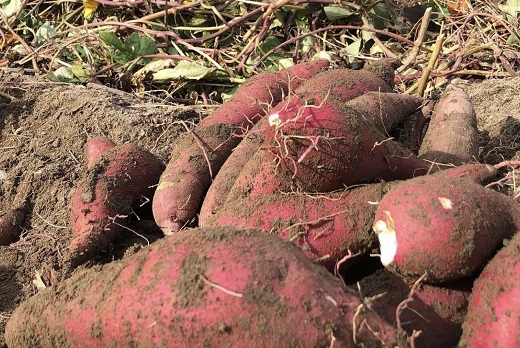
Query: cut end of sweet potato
{"points": [[387, 239]]}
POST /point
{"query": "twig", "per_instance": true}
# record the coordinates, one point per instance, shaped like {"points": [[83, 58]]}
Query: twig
{"points": [[378, 42], [431, 64], [418, 42], [332, 27], [507, 164], [18, 38]]}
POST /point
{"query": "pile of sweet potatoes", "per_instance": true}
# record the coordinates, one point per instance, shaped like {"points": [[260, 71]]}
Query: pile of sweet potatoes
{"points": [[295, 184]]}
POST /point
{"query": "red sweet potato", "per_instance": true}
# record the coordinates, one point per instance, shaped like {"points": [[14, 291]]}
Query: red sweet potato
{"points": [[197, 157], [343, 84], [11, 225], [219, 189], [385, 110], [203, 287], [445, 224], [452, 136], [95, 148], [326, 145], [106, 196], [259, 93], [260, 175], [435, 313], [494, 308], [325, 227]]}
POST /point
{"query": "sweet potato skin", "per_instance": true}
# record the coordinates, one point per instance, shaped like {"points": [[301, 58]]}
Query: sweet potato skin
{"points": [[444, 225], [494, 308], [385, 110], [325, 227], [95, 148], [452, 136], [436, 311], [326, 145], [219, 189], [204, 287], [106, 195], [343, 84], [187, 176]]}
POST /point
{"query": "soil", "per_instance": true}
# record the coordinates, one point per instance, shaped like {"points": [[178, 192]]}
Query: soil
{"points": [[43, 132]]}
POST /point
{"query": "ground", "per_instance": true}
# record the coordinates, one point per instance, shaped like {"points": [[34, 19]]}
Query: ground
{"points": [[43, 131]]}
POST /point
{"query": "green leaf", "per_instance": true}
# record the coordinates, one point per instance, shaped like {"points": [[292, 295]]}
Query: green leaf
{"points": [[354, 47], [62, 74], [301, 18], [80, 72], [138, 46], [513, 39], [10, 7], [268, 44], [111, 39], [198, 21], [511, 7], [184, 70], [44, 32], [134, 47], [334, 13]]}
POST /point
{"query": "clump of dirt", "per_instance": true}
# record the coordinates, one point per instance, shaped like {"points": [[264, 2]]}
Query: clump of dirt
{"points": [[43, 132]]}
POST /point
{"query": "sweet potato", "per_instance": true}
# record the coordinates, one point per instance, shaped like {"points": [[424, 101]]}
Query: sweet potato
{"points": [[445, 224], [204, 287], [325, 227], [105, 197], [95, 148], [219, 189], [427, 315], [198, 155], [260, 176], [494, 308], [385, 110], [11, 225], [452, 136], [343, 84], [259, 93], [326, 145]]}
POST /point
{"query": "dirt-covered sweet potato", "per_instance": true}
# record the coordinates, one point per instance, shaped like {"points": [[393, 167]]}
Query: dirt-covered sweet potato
{"points": [[425, 316], [445, 224], [326, 145], [493, 318], [385, 110], [325, 227], [259, 93], [201, 288], [219, 189], [344, 84], [11, 223], [95, 148], [121, 179], [452, 135], [198, 155]]}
